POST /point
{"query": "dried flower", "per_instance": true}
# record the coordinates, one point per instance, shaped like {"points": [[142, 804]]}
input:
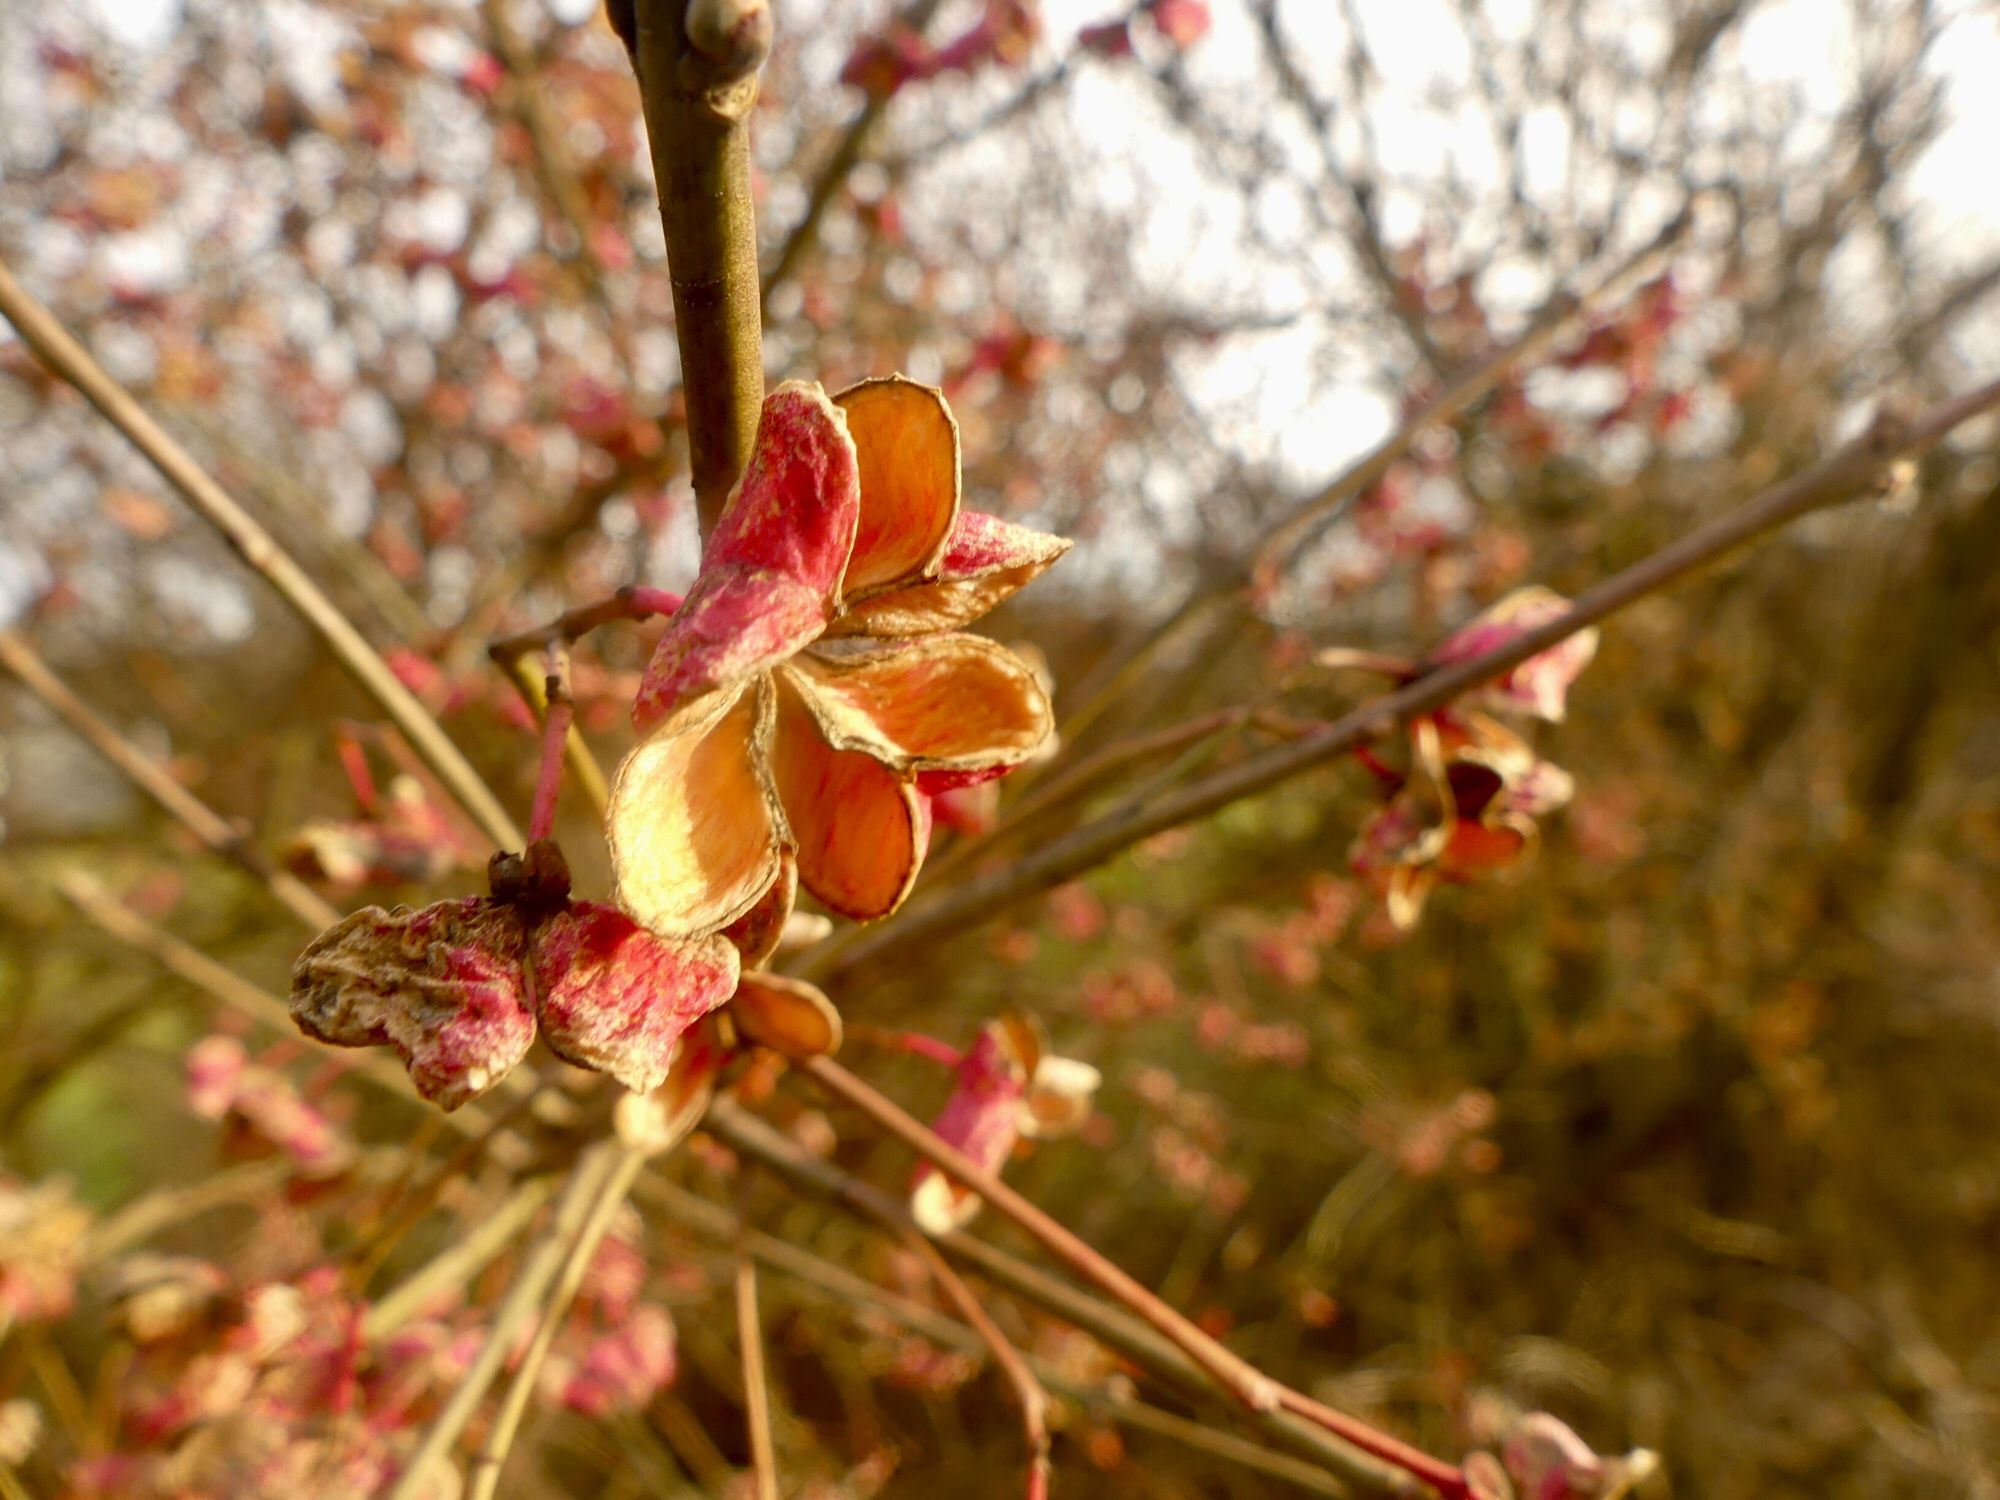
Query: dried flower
{"points": [[1547, 1461], [813, 689], [1009, 1086], [1539, 685], [42, 1229], [448, 986], [1466, 810]]}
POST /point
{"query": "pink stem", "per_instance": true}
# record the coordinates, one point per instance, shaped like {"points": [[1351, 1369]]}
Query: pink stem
{"points": [[354, 760], [555, 734]]}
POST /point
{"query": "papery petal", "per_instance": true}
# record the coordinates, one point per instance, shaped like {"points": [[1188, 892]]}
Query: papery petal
{"points": [[985, 1129], [795, 510], [1408, 889], [789, 1016], [771, 574], [1539, 685], [1476, 849], [988, 560], [442, 985], [907, 444], [733, 624], [1059, 1098], [982, 1119], [696, 835], [614, 998], [944, 703], [756, 934], [860, 830]]}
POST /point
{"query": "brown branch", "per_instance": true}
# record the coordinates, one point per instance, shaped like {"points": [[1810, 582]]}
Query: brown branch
{"points": [[484, 1480], [843, 1288], [1116, 1329], [1839, 477], [840, 164], [756, 1382], [216, 833], [57, 349], [1256, 1390], [593, 1171], [1028, 1392], [697, 62]]}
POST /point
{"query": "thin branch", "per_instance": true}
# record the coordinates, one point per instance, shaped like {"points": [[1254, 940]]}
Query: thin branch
{"points": [[840, 164], [484, 1480], [61, 352], [1840, 477], [756, 1382], [1028, 1392], [587, 1179], [462, 1260], [216, 833], [1116, 1329], [1556, 316], [1229, 1370], [559, 709], [697, 93], [845, 1289], [512, 653]]}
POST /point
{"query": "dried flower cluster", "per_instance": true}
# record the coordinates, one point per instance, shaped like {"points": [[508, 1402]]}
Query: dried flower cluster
{"points": [[1470, 803]]}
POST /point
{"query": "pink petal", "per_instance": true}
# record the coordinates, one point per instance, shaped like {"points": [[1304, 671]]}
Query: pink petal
{"points": [[441, 985], [615, 999], [985, 561], [982, 1119], [770, 577], [734, 623]]}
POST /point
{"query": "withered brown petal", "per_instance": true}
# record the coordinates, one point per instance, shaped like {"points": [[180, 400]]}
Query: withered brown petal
{"points": [[442, 985], [616, 999]]}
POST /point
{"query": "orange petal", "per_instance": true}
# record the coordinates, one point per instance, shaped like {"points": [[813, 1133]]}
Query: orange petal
{"points": [[786, 1015], [696, 834], [756, 934], [861, 830], [907, 443], [987, 560], [943, 703]]}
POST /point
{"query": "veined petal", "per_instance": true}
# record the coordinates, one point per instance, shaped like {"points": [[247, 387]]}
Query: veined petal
{"points": [[987, 560], [614, 998], [907, 443], [944, 703], [734, 623], [795, 509], [442, 985], [756, 934], [786, 1015], [770, 577], [860, 829], [696, 834]]}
